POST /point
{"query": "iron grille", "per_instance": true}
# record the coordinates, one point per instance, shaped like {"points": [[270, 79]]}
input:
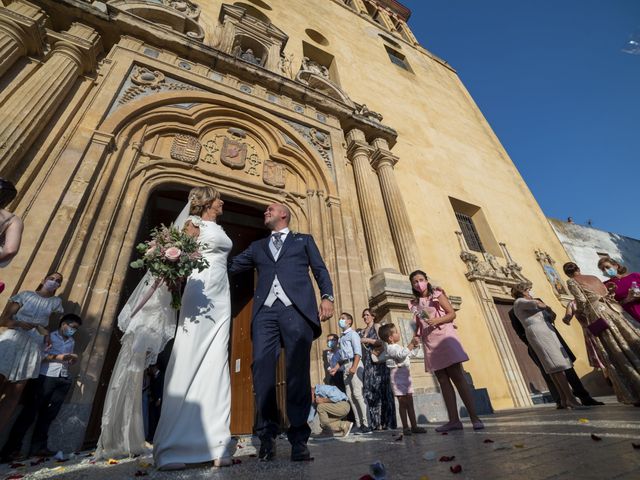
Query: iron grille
{"points": [[469, 232]]}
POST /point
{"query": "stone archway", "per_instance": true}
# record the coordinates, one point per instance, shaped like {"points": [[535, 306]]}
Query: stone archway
{"points": [[185, 139]]}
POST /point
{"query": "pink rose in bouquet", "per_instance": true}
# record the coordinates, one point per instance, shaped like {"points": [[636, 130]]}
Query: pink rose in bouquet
{"points": [[172, 254]]}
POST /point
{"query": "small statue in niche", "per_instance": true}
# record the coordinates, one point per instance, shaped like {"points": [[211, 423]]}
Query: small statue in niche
{"points": [[246, 55], [314, 67]]}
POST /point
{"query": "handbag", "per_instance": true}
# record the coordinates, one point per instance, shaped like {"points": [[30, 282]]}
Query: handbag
{"points": [[598, 326]]}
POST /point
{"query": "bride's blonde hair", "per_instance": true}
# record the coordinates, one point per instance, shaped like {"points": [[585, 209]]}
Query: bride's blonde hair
{"points": [[201, 198]]}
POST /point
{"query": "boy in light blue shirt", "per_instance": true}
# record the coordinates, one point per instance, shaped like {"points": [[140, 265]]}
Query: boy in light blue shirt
{"points": [[332, 406]]}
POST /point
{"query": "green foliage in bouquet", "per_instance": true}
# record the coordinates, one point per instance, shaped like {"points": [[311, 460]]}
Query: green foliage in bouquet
{"points": [[170, 256]]}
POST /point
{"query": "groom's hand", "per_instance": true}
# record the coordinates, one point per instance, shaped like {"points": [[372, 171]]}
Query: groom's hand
{"points": [[326, 310]]}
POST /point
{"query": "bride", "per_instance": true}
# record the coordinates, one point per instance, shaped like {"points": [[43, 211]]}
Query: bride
{"points": [[195, 417]]}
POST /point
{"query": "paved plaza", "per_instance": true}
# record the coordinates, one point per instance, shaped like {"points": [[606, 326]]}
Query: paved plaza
{"points": [[538, 443]]}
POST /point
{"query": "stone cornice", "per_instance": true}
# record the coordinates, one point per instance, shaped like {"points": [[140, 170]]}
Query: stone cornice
{"points": [[28, 22]]}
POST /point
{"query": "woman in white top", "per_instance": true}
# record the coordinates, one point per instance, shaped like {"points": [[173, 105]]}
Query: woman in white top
{"points": [[26, 319]]}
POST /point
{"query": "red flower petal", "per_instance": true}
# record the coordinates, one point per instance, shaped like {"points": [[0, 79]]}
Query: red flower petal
{"points": [[444, 433], [366, 477], [141, 473], [636, 446], [445, 458], [236, 461], [456, 469], [487, 440], [595, 437]]}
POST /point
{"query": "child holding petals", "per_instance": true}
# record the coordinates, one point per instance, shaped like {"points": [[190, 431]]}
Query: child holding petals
{"points": [[443, 352]]}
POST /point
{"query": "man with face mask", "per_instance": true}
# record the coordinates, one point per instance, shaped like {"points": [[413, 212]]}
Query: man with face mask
{"points": [[46, 394]]}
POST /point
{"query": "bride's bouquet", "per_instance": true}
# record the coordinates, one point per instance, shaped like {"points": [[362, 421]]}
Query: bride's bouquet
{"points": [[170, 256]]}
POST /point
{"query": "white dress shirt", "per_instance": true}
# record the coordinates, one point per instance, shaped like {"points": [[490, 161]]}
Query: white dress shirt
{"points": [[277, 292]]}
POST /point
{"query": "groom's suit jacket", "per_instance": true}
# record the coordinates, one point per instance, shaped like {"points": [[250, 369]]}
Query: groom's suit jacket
{"points": [[299, 253]]}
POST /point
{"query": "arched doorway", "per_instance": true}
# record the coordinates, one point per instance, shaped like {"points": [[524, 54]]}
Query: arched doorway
{"points": [[252, 158]]}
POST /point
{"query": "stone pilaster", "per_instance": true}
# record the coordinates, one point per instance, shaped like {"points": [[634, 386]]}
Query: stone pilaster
{"points": [[26, 113], [401, 231], [376, 228], [21, 32]]}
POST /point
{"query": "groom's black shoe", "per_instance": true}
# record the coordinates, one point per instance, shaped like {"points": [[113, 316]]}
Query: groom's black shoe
{"points": [[300, 453], [267, 449]]}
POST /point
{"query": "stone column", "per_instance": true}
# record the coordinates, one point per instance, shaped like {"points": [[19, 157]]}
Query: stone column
{"points": [[376, 229], [401, 231], [21, 32], [28, 110]]}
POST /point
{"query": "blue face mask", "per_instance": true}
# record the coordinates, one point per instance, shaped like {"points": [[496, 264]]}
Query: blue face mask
{"points": [[69, 332], [611, 272], [331, 344], [342, 323]]}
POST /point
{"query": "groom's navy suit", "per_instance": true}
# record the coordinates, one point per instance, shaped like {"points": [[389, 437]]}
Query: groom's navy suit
{"points": [[294, 327]]}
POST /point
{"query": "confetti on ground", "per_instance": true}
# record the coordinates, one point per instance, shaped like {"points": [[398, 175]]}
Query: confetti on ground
{"points": [[456, 469], [424, 477], [366, 477], [636, 446], [583, 420], [487, 440], [446, 458], [236, 461], [112, 461], [143, 464], [595, 437], [519, 445], [444, 433], [141, 473], [15, 476]]}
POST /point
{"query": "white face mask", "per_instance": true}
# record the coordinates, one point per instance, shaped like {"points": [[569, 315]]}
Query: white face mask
{"points": [[51, 285], [342, 323]]}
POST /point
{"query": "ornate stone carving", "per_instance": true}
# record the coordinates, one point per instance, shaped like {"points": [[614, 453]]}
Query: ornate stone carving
{"points": [[186, 7], [489, 269], [144, 81], [320, 141], [233, 153], [286, 65], [147, 77], [317, 76], [314, 67], [185, 148], [547, 263], [274, 174], [211, 148], [364, 111], [247, 55]]}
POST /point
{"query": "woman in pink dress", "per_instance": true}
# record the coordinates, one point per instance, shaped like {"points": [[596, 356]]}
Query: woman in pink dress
{"points": [[443, 352], [620, 283]]}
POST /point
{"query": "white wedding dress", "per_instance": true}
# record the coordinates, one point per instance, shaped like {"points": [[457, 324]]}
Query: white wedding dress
{"points": [[196, 405]]}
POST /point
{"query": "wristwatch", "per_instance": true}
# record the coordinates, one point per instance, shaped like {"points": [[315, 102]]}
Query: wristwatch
{"points": [[326, 296]]}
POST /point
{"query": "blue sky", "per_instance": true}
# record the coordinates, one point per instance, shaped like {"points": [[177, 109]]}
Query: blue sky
{"points": [[551, 78]]}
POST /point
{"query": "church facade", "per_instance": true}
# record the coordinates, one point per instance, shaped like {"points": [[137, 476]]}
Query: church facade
{"points": [[111, 110]]}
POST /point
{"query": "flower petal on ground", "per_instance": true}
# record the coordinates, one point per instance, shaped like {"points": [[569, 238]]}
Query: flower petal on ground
{"points": [[583, 420], [446, 458], [595, 437], [487, 440], [456, 469]]}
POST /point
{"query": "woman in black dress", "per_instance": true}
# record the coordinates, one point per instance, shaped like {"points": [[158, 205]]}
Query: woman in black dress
{"points": [[377, 382]]}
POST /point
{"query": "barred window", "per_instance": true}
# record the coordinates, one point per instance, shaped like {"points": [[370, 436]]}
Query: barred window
{"points": [[469, 232]]}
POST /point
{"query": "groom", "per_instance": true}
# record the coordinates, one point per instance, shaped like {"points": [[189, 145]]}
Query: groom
{"points": [[285, 313]]}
